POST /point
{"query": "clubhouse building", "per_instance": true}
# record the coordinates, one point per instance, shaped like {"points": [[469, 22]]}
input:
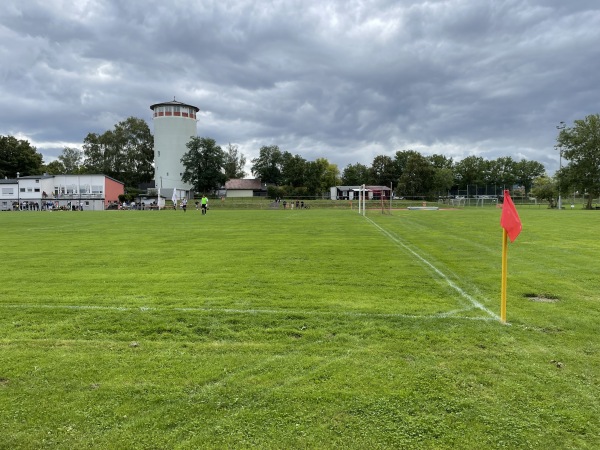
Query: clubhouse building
{"points": [[37, 192]]}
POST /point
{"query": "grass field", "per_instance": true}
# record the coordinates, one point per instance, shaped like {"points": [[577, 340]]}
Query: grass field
{"points": [[298, 329]]}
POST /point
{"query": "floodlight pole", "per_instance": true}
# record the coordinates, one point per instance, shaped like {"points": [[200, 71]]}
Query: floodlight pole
{"points": [[560, 127], [559, 168]]}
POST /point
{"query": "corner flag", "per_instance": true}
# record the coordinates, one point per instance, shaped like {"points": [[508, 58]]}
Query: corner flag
{"points": [[511, 224], [510, 220]]}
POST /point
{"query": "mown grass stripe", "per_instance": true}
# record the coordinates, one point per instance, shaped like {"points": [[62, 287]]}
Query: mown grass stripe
{"points": [[450, 283], [444, 315]]}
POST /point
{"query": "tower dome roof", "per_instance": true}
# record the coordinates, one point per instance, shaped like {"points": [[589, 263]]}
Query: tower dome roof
{"points": [[174, 103]]}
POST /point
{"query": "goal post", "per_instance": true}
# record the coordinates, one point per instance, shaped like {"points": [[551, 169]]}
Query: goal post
{"points": [[482, 200], [386, 208]]}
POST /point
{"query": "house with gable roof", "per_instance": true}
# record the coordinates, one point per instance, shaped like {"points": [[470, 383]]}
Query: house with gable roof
{"points": [[244, 187]]}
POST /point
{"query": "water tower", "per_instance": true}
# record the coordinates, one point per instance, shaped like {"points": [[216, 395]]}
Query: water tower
{"points": [[174, 126]]}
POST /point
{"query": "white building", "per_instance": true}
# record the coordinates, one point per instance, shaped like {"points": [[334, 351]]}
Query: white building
{"points": [[174, 126], [88, 192]]}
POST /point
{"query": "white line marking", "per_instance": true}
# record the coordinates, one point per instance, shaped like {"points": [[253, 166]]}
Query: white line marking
{"points": [[453, 285], [446, 315]]}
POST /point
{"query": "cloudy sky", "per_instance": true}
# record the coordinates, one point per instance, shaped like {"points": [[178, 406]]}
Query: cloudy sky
{"points": [[345, 80]]}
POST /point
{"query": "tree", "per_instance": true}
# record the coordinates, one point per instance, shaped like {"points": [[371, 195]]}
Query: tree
{"points": [[443, 176], [331, 177], [98, 154], [137, 143], [71, 159], [55, 168], [267, 166], [580, 146], [125, 153], [18, 156], [293, 170], [382, 171], [315, 176], [203, 165], [441, 161], [545, 188], [234, 163], [355, 175], [417, 176], [526, 172], [470, 171], [400, 160], [443, 180], [500, 172]]}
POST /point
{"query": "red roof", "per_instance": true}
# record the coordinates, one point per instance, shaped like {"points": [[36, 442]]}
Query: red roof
{"points": [[243, 184]]}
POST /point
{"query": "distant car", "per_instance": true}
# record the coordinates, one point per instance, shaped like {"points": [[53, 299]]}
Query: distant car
{"points": [[398, 198]]}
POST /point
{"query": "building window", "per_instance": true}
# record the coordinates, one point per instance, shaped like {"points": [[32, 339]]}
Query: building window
{"points": [[158, 153], [21, 189], [37, 181], [36, 190], [96, 189], [7, 191]]}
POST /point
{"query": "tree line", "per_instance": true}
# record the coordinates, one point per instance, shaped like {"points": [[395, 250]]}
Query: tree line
{"points": [[408, 172], [126, 153]]}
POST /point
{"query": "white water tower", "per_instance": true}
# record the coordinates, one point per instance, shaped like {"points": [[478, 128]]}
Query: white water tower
{"points": [[174, 126]]}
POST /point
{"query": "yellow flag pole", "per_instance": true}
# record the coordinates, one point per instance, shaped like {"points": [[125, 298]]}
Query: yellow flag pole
{"points": [[504, 274]]}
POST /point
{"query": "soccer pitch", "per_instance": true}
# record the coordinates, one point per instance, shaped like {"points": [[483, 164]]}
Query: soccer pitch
{"points": [[308, 261], [298, 328]]}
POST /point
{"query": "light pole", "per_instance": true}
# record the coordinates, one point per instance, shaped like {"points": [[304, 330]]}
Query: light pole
{"points": [[561, 126]]}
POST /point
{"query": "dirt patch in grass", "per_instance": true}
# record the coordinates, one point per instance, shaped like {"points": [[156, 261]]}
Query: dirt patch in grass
{"points": [[542, 298]]}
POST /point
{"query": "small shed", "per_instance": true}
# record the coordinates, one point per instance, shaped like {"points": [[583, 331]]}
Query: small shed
{"points": [[245, 187]]}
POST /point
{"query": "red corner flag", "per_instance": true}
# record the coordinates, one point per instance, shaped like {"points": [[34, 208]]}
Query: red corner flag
{"points": [[510, 218]]}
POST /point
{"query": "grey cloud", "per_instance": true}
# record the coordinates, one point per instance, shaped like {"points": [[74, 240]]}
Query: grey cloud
{"points": [[341, 80]]}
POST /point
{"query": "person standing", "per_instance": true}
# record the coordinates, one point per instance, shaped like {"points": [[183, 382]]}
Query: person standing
{"points": [[204, 203], [184, 204]]}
